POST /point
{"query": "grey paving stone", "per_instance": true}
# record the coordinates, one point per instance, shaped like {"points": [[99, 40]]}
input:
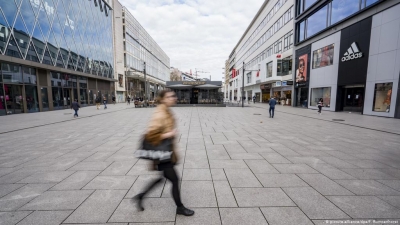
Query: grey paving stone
{"points": [[20, 197], [218, 154], [240, 216], [156, 210], [274, 158], [368, 174], [118, 168], [198, 154], [98, 207], [281, 180], [304, 160], [392, 200], [285, 216], [259, 150], [355, 221], [142, 182], [11, 218], [57, 200], [245, 156], [47, 177], [294, 168], [15, 177], [331, 172], [99, 156], [365, 207], [76, 181], [224, 194], [45, 218], [7, 188], [198, 194], [338, 163], [324, 185], [313, 204], [90, 166], [367, 164], [202, 216], [234, 148], [395, 184], [218, 174], [142, 169], [111, 182], [367, 187], [260, 166], [258, 197], [242, 178], [196, 163], [196, 174], [227, 164]]}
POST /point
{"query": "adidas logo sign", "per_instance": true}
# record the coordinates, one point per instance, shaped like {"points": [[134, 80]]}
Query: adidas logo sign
{"points": [[352, 53]]}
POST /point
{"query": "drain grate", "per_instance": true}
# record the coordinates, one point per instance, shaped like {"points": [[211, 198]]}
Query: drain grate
{"points": [[338, 120]]}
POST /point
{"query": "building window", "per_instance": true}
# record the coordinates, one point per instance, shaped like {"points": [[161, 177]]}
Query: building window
{"points": [[318, 93], [303, 5], [323, 56], [269, 69], [317, 21], [382, 97], [284, 66], [343, 8], [249, 78]]}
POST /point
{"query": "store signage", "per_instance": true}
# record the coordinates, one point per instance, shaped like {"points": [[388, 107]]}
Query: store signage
{"points": [[284, 83], [278, 84], [352, 53], [289, 82], [265, 86], [278, 56], [258, 81], [193, 82]]}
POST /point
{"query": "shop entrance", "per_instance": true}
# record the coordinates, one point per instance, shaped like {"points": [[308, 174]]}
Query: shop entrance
{"points": [[302, 97], [13, 97], [66, 97], [353, 98], [195, 96]]}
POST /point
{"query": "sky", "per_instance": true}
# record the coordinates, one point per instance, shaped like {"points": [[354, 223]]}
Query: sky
{"points": [[195, 33]]}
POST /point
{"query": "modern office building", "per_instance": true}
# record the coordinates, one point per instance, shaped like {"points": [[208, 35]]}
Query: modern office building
{"points": [[137, 56], [54, 51], [265, 51], [347, 52]]}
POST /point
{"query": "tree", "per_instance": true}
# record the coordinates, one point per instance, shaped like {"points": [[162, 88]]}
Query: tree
{"points": [[175, 75]]}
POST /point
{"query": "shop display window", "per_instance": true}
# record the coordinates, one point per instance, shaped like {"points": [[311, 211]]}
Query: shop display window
{"points": [[323, 56], [382, 97], [284, 66], [318, 93]]}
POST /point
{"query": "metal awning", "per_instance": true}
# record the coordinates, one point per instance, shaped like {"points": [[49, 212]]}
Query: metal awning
{"points": [[180, 86], [208, 86]]}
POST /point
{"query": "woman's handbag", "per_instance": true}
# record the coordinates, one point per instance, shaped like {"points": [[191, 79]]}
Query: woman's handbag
{"points": [[161, 152]]}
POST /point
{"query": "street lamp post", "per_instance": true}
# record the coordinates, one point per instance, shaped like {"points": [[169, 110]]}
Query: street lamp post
{"points": [[145, 83]]}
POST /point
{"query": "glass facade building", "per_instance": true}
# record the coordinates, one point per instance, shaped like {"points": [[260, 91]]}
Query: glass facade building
{"points": [[41, 38]]}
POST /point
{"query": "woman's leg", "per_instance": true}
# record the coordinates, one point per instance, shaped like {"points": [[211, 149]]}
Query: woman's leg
{"points": [[171, 175]]}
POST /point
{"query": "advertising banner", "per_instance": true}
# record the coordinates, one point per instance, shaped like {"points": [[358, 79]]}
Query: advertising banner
{"points": [[301, 72]]}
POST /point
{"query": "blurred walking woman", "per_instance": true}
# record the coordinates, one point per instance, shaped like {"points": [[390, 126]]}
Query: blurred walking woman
{"points": [[162, 126]]}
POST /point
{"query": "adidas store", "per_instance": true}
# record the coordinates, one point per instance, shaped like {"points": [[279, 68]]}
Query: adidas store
{"points": [[355, 68]]}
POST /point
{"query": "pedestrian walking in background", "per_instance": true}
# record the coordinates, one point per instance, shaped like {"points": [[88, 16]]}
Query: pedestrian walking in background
{"points": [[254, 99], [105, 102], [113, 99], [272, 103], [75, 106], [128, 100], [320, 105], [98, 100], [162, 129]]}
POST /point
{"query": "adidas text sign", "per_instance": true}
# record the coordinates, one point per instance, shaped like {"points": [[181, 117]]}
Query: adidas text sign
{"points": [[352, 53]]}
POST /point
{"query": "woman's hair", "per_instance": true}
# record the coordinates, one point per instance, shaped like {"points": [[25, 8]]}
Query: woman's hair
{"points": [[321, 99], [162, 94]]}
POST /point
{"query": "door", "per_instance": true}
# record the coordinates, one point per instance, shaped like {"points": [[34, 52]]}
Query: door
{"points": [[66, 97], [195, 96], [14, 99], [353, 99], [302, 97]]}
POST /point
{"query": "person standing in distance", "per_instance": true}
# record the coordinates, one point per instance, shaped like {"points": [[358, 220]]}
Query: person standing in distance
{"points": [[272, 103], [162, 126], [320, 104], [128, 100], [75, 106], [105, 102], [98, 100]]}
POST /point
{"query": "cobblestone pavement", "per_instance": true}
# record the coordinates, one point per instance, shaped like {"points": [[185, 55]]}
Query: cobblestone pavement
{"points": [[237, 166]]}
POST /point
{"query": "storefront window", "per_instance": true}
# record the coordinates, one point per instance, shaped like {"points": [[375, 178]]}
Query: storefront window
{"points": [[45, 99], [342, 9], [318, 93], [382, 97], [284, 66], [29, 75], [11, 73], [323, 56], [32, 102], [317, 21], [2, 101], [269, 69]]}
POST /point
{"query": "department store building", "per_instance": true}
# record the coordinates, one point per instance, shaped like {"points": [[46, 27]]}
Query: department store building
{"points": [[347, 52], [54, 51], [265, 51]]}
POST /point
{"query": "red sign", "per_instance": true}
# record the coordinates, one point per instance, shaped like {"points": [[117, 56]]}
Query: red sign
{"points": [[258, 73], [278, 56]]}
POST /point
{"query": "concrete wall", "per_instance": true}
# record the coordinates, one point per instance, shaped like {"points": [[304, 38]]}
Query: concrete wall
{"points": [[325, 76], [118, 45], [384, 57]]}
